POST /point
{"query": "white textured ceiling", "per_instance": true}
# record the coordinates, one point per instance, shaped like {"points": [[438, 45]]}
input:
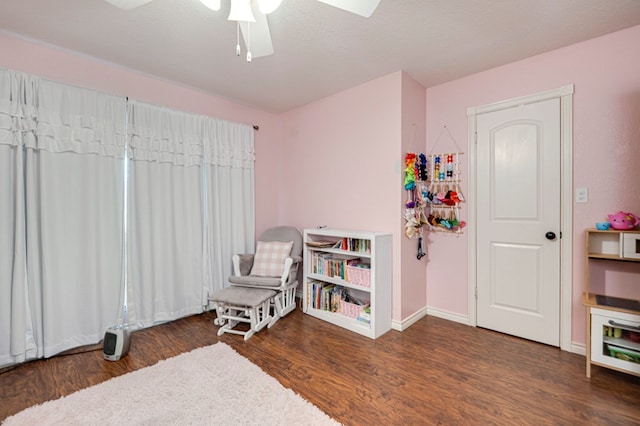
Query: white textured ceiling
{"points": [[319, 50]]}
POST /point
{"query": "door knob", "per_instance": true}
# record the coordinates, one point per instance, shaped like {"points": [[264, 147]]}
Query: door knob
{"points": [[550, 235]]}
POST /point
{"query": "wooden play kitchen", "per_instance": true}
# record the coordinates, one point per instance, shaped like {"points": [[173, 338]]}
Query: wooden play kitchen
{"points": [[613, 323]]}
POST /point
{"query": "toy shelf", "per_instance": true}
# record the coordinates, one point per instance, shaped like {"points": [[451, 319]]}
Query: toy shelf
{"points": [[357, 299], [613, 323]]}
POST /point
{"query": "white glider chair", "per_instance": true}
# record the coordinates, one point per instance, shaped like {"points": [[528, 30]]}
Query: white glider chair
{"points": [[263, 287], [274, 266]]}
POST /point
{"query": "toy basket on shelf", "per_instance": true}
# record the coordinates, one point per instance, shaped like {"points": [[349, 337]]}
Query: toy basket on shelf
{"points": [[359, 275], [351, 310]]}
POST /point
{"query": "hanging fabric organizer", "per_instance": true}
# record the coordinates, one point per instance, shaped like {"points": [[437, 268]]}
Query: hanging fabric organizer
{"points": [[432, 183], [443, 193]]}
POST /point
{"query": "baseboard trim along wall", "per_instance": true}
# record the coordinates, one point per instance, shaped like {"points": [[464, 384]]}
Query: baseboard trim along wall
{"points": [[462, 319], [408, 322]]}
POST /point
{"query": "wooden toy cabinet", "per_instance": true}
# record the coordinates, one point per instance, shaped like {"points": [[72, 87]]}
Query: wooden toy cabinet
{"points": [[613, 323], [348, 280]]}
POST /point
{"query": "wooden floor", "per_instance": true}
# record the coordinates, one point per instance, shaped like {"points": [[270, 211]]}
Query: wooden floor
{"points": [[435, 372]]}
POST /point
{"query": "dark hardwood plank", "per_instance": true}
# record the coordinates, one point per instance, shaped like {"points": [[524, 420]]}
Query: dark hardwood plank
{"points": [[435, 372]]}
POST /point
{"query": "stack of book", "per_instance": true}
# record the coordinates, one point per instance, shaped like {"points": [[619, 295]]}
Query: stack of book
{"points": [[328, 264], [329, 297], [356, 244]]}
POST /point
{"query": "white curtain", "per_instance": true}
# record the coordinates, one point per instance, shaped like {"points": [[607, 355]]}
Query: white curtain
{"points": [[229, 159], [17, 129], [97, 192], [60, 272], [75, 187], [165, 228], [191, 207]]}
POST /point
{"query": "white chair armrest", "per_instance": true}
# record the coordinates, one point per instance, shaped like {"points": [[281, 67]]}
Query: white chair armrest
{"points": [[287, 269], [236, 265]]}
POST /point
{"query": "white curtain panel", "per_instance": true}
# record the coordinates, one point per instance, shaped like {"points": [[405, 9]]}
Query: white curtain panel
{"points": [[74, 213], [60, 265], [17, 128], [229, 159], [165, 227]]}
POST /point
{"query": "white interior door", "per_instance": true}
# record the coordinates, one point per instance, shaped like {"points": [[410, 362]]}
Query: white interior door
{"points": [[518, 221]]}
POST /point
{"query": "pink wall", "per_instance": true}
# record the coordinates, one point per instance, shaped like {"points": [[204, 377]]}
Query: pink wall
{"points": [[342, 163], [344, 169], [75, 69], [606, 148], [341, 158]]}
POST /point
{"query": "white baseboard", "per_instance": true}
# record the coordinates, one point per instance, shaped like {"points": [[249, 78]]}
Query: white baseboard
{"points": [[579, 348], [462, 319], [408, 322]]}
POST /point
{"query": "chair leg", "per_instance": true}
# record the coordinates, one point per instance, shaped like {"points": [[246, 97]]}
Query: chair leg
{"points": [[275, 317], [284, 303], [260, 316], [220, 312], [230, 316], [287, 301]]}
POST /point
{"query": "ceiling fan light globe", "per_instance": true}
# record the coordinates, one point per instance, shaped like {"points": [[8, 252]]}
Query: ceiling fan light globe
{"points": [[268, 6], [211, 4], [363, 8], [128, 4], [241, 11]]}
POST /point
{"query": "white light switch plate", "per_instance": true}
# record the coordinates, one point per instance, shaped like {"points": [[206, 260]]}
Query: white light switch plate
{"points": [[582, 195]]}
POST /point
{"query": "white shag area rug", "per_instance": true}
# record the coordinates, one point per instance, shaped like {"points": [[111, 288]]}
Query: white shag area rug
{"points": [[211, 385]]}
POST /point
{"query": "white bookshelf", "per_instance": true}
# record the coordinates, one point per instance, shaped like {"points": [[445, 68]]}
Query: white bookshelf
{"points": [[323, 246]]}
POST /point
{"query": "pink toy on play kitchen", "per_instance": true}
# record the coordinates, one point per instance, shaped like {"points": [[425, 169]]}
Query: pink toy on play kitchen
{"points": [[623, 221]]}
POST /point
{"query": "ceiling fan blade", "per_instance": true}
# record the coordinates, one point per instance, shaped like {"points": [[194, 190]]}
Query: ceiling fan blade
{"points": [[359, 7], [258, 33], [128, 4]]}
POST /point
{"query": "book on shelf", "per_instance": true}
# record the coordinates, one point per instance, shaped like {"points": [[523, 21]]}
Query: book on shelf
{"points": [[359, 245], [359, 264], [365, 315], [324, 297], [330, 265], [321, 244], [364, 320], [327, 297]]}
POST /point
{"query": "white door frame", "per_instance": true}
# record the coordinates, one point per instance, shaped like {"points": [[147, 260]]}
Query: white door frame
{"points": [[565, 93]]}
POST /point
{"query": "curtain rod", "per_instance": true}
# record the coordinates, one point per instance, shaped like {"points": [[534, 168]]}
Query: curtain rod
{"points": [[255, 126]]}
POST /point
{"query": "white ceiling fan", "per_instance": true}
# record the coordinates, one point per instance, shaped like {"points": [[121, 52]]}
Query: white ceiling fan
{"points": [[251, 19]]}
